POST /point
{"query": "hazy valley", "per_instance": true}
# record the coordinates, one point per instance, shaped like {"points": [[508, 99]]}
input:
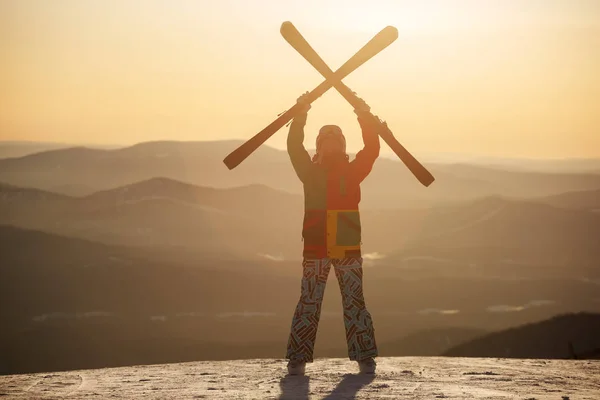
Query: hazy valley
{"points": [[158, 253]]}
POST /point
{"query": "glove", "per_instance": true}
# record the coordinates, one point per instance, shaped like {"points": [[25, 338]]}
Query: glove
{"points": [[303, 101], [362, 109], [365, 118]]}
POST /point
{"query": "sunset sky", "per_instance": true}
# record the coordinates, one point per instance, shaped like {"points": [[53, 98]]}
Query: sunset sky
{"points": [[510, 78]]}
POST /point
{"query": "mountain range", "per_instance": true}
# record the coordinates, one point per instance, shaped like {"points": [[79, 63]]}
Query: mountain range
{"points": [[159, 244], [256, 219], [82, 171]]}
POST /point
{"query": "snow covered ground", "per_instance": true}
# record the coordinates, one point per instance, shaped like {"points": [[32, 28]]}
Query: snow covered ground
{"points": [[397, 378]]}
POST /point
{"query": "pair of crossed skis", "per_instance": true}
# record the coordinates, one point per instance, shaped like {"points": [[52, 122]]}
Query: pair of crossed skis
{"points": [[379, 42]]}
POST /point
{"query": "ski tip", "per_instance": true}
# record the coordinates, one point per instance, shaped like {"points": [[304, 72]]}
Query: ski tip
{"points": [[391, 30], [286, 25]]}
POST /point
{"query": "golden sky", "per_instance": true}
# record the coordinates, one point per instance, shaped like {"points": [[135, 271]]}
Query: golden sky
{"points": [[514, 78]]}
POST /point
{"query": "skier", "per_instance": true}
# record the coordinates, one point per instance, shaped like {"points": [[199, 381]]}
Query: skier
{"points": [[332, 236]]}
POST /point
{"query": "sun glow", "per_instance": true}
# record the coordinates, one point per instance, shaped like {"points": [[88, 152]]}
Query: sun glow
{"points": [[410, 17], [426, 17], [506, 77]]}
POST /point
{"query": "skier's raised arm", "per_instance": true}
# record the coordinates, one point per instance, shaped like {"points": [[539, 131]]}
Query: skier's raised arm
{"points": [[295, 142], [365, 158]]}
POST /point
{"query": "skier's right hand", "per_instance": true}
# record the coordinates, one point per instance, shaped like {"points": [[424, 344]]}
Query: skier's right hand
{"points": [[365, 118], [304, 103], [362, 108]]}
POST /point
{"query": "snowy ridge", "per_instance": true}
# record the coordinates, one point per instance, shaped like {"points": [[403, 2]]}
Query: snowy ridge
{"points": [[396, 378]]}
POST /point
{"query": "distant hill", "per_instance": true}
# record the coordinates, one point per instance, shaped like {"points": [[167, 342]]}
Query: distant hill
{"points": [[14, 149], [25, 193], [198, 163], [59, 292], [431, 342], [163, 212], [254, 198], [516, 183], [256, 219], [557, 165], [11, 149], [82, 171], [487, 230], [581, 200], [546, 339], [47, 273], [112, 343]]}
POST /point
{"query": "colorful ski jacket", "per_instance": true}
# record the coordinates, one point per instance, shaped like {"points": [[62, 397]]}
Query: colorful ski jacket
{"points": [[331, 226]]}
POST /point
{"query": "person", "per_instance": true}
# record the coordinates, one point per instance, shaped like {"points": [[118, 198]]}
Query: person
{"points": [[332, 236]]}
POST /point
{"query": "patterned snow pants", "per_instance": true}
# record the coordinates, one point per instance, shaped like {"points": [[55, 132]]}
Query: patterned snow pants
{"points": [[360, 335]]}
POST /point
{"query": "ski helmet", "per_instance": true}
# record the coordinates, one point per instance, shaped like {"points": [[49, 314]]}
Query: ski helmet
{"points": [[331, 131]]}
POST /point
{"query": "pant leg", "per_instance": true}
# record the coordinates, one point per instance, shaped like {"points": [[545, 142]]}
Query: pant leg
{"points": [[305, 322], [360, 334]]}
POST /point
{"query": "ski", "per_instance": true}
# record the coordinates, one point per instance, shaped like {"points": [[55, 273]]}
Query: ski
{"points": [[301, 45], [379, 42]]}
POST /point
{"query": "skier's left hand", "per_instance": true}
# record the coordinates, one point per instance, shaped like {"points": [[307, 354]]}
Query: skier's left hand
{"points": [[303, 102]]}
